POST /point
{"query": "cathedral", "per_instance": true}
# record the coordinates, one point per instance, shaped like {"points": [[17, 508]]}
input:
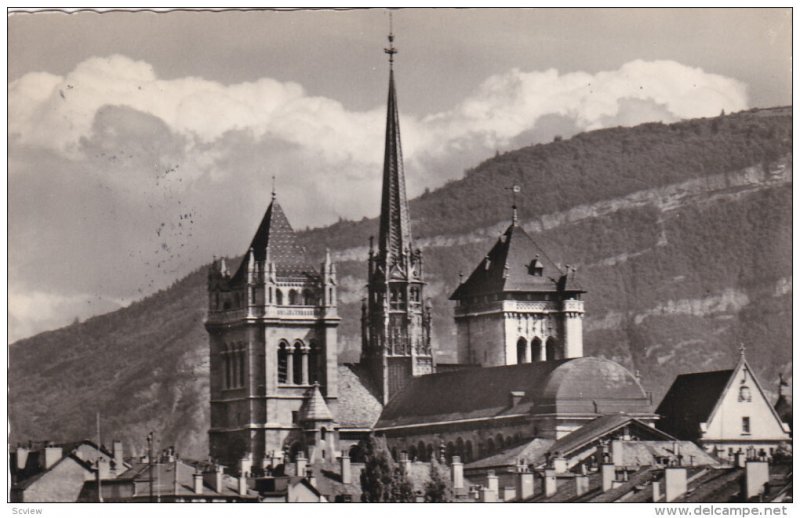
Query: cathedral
{"points": [[278, 392]]}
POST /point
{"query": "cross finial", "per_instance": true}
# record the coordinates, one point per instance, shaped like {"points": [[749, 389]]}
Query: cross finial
{"points": [[273, 188], [741, 350], [514, 190], [391, 50]]}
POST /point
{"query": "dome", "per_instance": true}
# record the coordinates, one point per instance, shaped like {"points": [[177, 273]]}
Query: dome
{"points": [[592, 385]]}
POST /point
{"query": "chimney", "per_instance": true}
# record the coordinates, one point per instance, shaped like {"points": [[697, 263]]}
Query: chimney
{"points": [[756, 475], [515, 396], [312, 479], [405, 463], [119, 455], [246, 465], [674, 483], [52, 454], [607, 476], [550, 482], [560, 464], [581, 484], [491, 481], [656, 491], [524, 483], [344, 463], [300, 464], [242, 485], [22, 457], [97, 484], [616, 454], [457, 470], [487, 495], [197, 479], [509, 494], [214, 478]]}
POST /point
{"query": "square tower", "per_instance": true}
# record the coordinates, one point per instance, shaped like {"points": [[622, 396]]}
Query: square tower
{"points": [[518, 306], [272, 329]]}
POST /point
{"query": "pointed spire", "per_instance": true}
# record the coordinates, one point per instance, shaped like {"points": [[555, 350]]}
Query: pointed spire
{"points": [[395, 234]]}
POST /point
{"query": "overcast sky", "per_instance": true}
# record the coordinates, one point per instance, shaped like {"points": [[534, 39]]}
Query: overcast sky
{"points": [[142, 144]]}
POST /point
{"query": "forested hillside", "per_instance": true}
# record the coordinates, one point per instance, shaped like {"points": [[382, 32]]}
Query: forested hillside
{"points": [[681, 234]]}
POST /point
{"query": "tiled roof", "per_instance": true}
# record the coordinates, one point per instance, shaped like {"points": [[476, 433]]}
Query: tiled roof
{"points": [[285, 249], [578, 385], [509, 267], [314, 408], [599, 427], [689, 401], [531, 451], [357, 405]]}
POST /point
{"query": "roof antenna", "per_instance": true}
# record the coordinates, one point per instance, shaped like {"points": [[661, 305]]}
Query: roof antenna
{"points": [[391, 50]]}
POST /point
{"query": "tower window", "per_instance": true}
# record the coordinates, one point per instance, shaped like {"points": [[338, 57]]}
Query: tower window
{"points": [[282, 363], [745, 425]]}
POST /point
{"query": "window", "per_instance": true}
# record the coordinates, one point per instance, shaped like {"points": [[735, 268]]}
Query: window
{"points": [[746, 425], [535, 267], [536, 350], [313, 367], [522, 347], [297, 366], [294, 298], [744, 394], [282, 362], [279, 297]]}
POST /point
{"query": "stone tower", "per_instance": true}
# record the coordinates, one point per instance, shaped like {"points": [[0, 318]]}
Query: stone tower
{"points": [[272, 328], [518, 306], [396, 342]]}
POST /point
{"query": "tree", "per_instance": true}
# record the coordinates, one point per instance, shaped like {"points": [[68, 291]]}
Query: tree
{"points": [[381, 479], [438, 488]]}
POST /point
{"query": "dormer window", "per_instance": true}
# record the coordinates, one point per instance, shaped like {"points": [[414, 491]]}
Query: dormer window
{"points": [[536, 268]]}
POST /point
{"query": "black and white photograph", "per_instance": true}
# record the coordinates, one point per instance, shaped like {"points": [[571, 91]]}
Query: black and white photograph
{"points": [[400, 255]]}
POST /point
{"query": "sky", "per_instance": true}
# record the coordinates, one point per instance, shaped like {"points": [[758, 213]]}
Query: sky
{"points": [[142, 144]]}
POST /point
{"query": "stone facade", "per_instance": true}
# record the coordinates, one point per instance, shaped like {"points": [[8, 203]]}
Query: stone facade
{"points": [[273, 334]]}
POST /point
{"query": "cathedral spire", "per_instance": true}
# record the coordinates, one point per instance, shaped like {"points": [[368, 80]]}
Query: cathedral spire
{"points": [[395, 234]]}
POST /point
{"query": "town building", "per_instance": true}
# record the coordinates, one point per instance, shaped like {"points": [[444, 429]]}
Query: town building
{"points": [[724, 411]]}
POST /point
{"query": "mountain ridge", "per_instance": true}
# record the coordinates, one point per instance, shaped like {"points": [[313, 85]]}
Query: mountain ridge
{"points": [[681, 234]]}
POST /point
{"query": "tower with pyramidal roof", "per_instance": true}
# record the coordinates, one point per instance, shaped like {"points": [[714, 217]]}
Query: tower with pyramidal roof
{"points": [[272, 325], [396, 338]]}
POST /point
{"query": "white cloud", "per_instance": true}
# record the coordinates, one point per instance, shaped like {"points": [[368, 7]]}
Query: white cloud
{"points": [[118, 158]]}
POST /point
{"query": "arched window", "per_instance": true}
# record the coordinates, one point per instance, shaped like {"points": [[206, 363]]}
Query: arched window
{"points": [[412, 453], [242, 364], [450, 451], [744, 394], [297, 365], [313, 363], [282, 362], [468, 452], [460, 448], [536, 350], [356, 454], [308, 297], [489, 446], [500, 441], [279, 297], [522, 347], [293, 298], [322, 432], [552, 349]]}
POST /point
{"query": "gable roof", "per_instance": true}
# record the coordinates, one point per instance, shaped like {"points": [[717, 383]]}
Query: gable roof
{"points": [[578, 386], [690, 400], [276, 234], [509, 265]]}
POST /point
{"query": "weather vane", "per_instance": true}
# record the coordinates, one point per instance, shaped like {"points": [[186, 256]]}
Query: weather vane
{"points": [[273, 187], [391, 50]]}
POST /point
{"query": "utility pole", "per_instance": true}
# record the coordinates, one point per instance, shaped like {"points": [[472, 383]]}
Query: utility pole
{"points": [[150, 462], [99, 459]]}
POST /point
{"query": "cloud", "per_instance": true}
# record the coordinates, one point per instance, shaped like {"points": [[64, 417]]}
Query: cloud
{"points": [[131, 180]]}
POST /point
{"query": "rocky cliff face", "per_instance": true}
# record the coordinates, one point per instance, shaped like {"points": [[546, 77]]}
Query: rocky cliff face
{"points": [[681, 234]]}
